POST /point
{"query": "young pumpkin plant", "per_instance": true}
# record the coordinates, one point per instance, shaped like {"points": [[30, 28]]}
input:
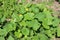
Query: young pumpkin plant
{"points": [[27, 22]]}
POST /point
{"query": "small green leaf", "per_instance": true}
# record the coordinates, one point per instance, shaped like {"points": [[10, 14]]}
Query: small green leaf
{"points": [[28, 5], [40, 16], [20, 17], [23, 1], [10, 26], [58, 31], [42, 30], [15, 17], [43, 37], [3, 19], [22, 10], [45, 24], [23, 23], [25, 31], [35, 38], [28, 38], [29, 16], [18, 34], [34, 9], [34, 24], [55, 22], [49, 33], [2, 38], [3, 32], [10, 38], [31, 33]]}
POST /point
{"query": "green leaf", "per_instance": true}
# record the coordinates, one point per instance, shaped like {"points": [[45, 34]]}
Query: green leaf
{"points": [[2, 38], [28, 38], [34, 24], [10, 38], [25, 31], [41, 6], [40, 16], [18, 34], [53, 30], [15, 17], [49, 33], [0, 15], [20, 17], [45, 24], [29, 16], [23, 23], [42, 30], [22, 10], [3, 32], [42, 37], [29, 23], [28, 5], [10, 26], [58, 31], [23, 1], [48, 13], [35, 38], [31, 32], [55, 22], [34, 9], [12, 1], [3, 19]]}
